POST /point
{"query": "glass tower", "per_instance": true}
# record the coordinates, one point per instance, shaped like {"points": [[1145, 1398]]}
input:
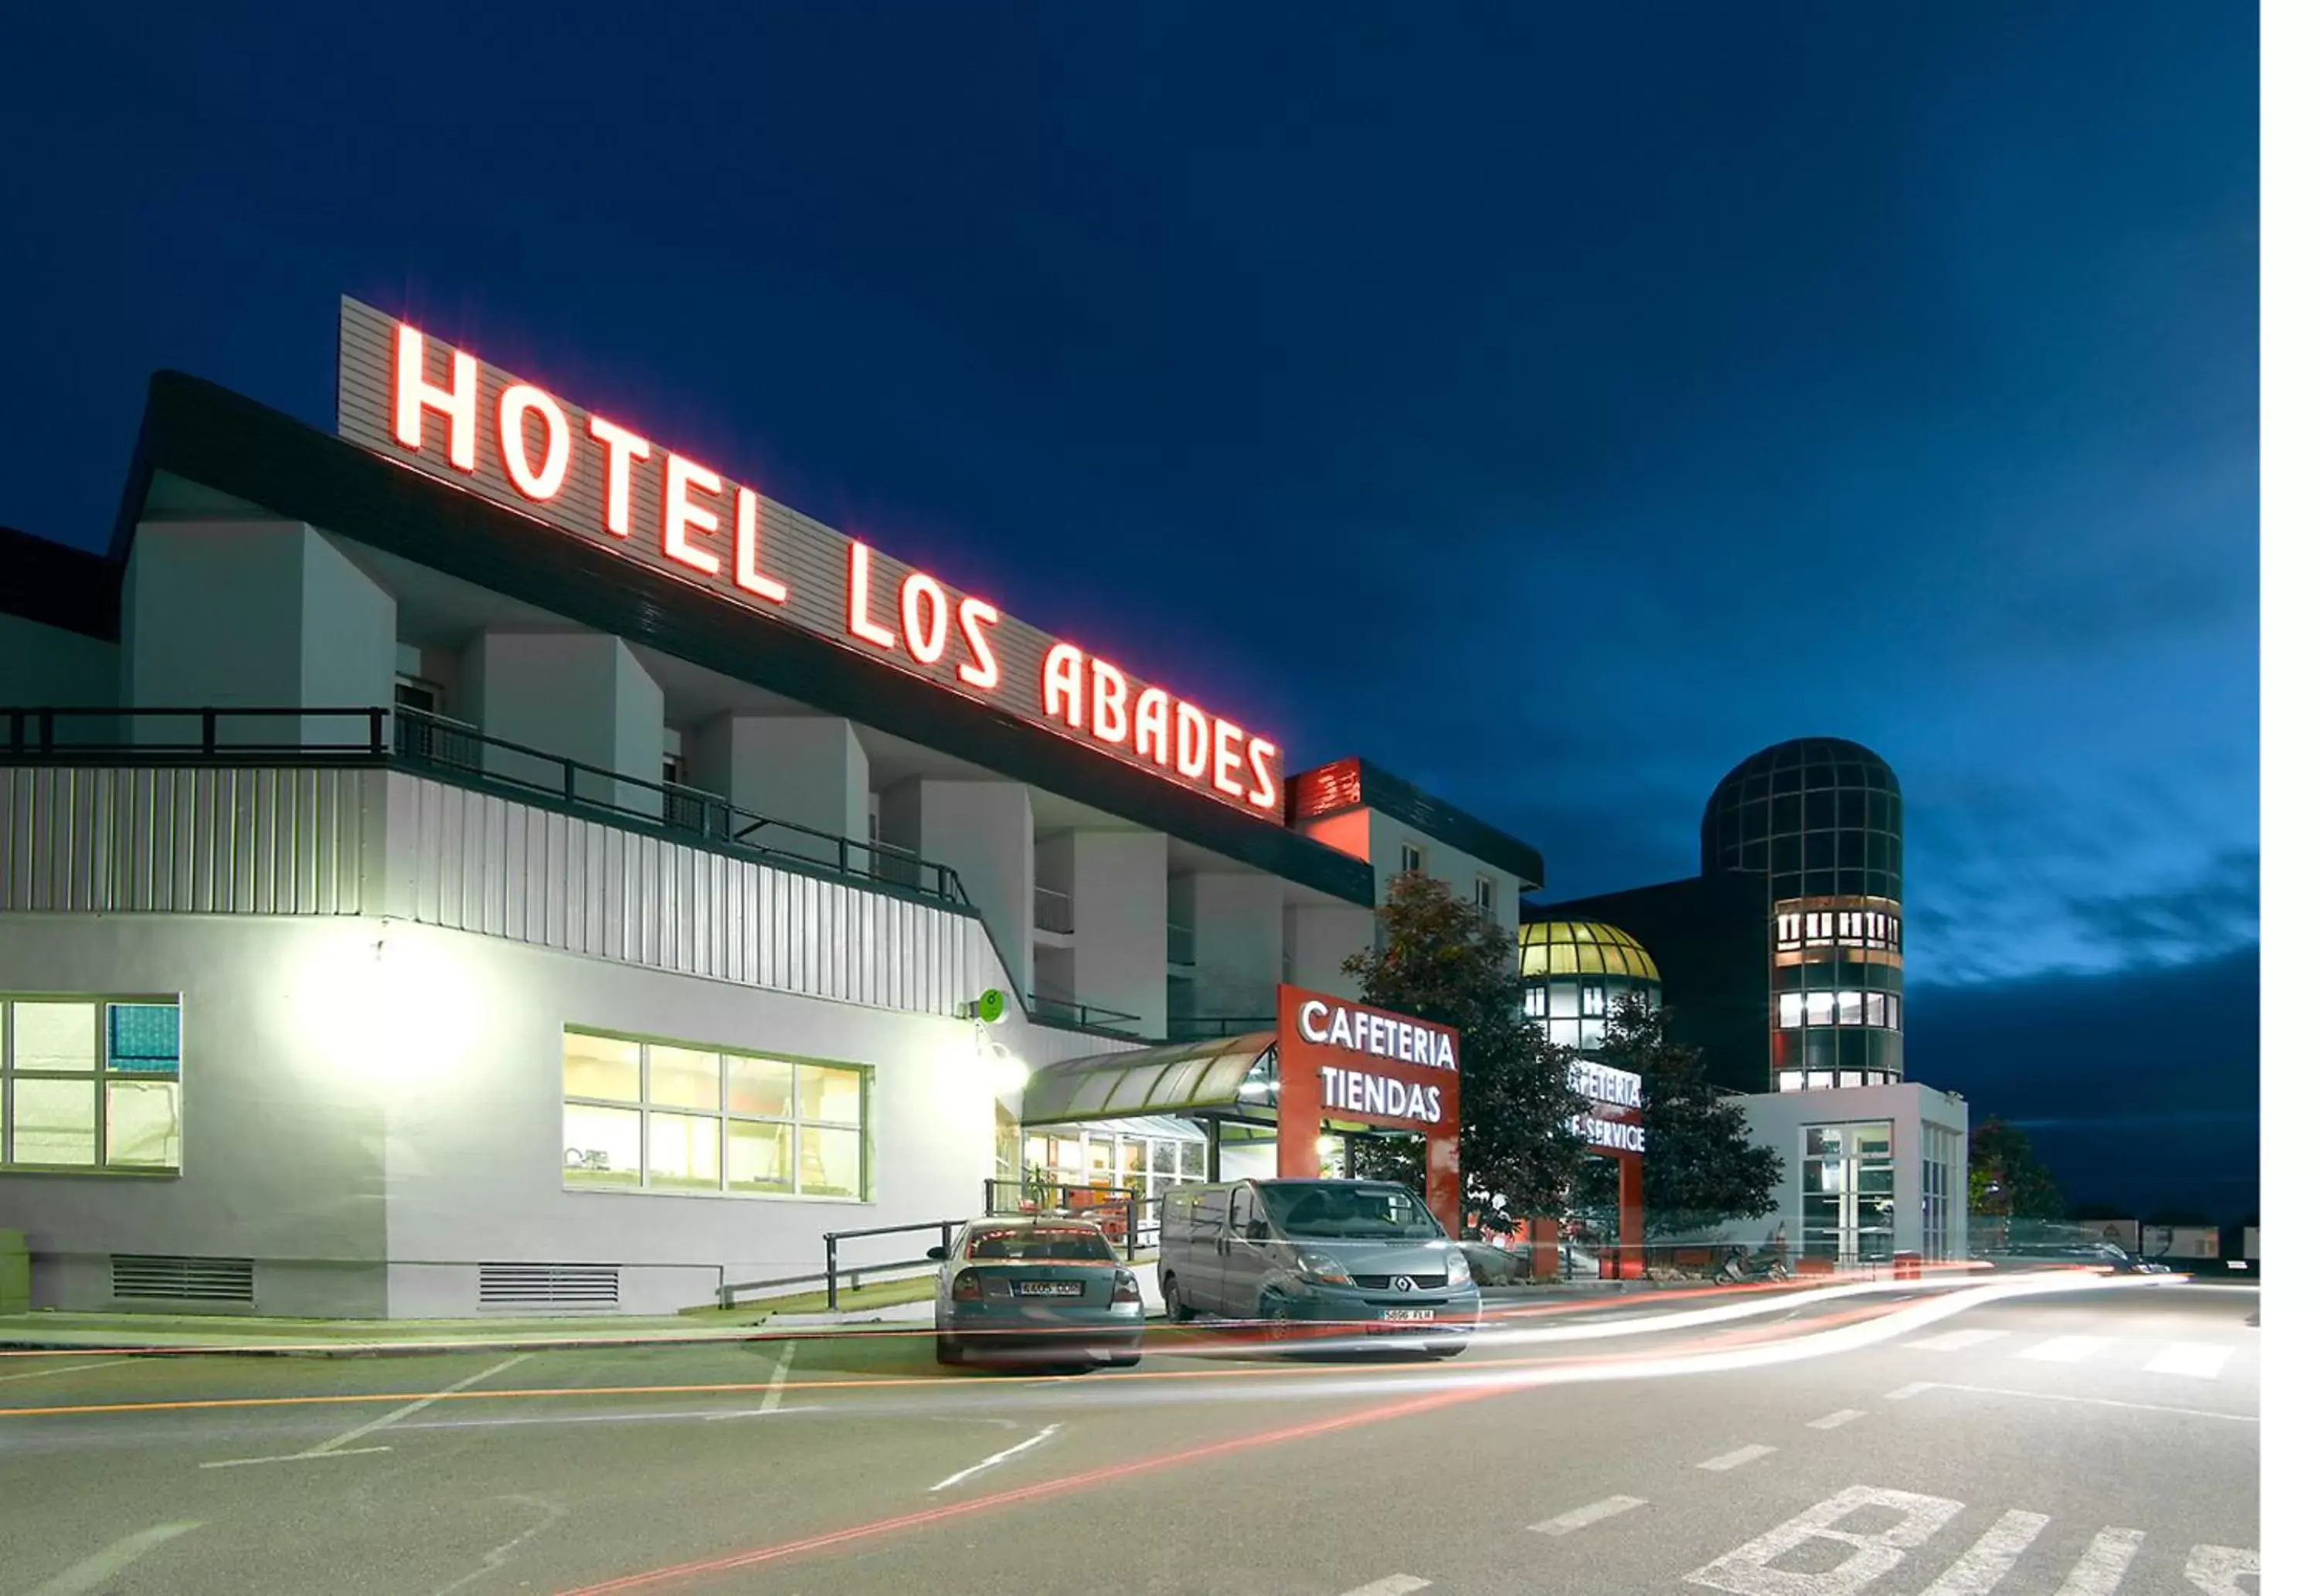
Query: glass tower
{"points": [[1818, 820]]}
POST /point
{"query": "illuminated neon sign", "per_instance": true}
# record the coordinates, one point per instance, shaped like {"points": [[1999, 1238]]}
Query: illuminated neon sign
{"points": [[418, 401]]}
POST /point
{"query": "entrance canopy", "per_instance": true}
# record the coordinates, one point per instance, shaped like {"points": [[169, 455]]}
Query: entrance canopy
{"points": [[1235, 1076]]}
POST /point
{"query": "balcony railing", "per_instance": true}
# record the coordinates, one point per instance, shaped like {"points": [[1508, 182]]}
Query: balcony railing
{"points": [[1201, 1028], [452, 751], [1181, 948], [1051, 910], [1083, 1017]]}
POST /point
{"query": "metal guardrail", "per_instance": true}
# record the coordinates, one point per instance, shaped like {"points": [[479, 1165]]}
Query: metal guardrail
{"points": [[833, 1269], [451, 751], [1182, 948], [1201, 1028], [1083, 1017]]}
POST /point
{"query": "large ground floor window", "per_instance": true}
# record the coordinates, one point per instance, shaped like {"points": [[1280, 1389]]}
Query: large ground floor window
{"points": [[1848, 1198], [641, 1116], [90, 1084]]}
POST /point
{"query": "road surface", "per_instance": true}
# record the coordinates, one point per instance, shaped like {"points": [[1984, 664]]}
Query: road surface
{"points": [[2090, 1442]]}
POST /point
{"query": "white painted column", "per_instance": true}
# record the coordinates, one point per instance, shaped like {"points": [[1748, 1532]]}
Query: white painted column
{"points": [[578, 696], [809, 770], [1237, 921], [218, 614], [982, 830], [1120, 909]]}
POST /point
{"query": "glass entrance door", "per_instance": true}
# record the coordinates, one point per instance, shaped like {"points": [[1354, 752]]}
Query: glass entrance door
{"points": [[1848, 1193]]}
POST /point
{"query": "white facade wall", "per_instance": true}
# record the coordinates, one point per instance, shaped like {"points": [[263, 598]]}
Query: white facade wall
{"points": [[983, 831], [1119, 906], [47, 667], [1778, 1120], [578, 694], [807, 769], [1238, 923]]}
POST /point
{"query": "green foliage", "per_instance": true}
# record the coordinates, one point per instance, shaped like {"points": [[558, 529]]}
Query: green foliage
{"points": [[2007, 1178], [1444, 959], [1700, 1170]]}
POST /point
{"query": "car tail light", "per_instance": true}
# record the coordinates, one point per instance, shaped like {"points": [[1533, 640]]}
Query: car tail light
{"points": [[967, 1288], [1125, 1290]]}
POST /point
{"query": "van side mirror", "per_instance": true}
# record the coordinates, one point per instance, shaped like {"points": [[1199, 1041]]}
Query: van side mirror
{"points": [[937, 1253]]}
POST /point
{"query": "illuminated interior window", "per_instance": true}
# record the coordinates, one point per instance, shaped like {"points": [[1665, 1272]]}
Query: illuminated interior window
{"points": [[1820, 1080], [1593, 1000], [1412, 858], [1819, 1008], [1847, 1008], [1849, 1078], [1875, 1008], [90, 1084], [1791, 1080], [1533, 1002], [1791, 1010], [1485, 893]]}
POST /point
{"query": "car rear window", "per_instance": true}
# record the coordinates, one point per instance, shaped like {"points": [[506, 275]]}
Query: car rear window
{"points": [[1065, 1245]]}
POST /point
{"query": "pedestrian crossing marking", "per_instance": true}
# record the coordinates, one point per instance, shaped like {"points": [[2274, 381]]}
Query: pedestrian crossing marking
{"points": [[2200, 1361], [2065, 1348], [1956, 1340]]}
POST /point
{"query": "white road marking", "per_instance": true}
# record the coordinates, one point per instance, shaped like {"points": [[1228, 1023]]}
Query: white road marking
{"points": [[774, 1387], [2198, 1360], [1744, 1455], [67, 1370], [1992, 1556], [1838, 1419], [499, 1554], [994, 1460], [2101, 1570], [1396, 1584], [2065, 1348], [93, 1573], [1593, 1512], [2097, 1401], [335, 1447], [2217, 1570], [1955, 1340], [1747, 1571]]}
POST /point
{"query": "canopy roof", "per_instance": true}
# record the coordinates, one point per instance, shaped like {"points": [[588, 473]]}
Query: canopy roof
{"points": [[1233, 1074]]}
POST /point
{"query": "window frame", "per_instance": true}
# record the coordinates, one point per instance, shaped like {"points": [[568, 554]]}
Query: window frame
{"points": [[724, 1117], [100, 1077], [1412, 859]]}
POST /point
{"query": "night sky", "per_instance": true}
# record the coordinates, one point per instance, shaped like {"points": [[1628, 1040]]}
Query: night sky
{"points": [[1553, 404]]}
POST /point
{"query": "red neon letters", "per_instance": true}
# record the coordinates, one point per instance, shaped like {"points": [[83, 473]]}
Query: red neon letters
{"points": [[711, 532]]}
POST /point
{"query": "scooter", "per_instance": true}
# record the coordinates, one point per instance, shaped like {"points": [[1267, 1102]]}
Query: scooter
{"points": [[1739, 1268]]}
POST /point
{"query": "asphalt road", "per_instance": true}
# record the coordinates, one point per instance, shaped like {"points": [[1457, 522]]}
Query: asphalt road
{"points": [[2095, 1442]]}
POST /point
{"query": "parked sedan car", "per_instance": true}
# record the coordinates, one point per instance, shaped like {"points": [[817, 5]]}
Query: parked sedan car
{"points": [[1036, 1290]]}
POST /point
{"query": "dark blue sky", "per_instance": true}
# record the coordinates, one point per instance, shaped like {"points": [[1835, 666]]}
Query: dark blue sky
{"points": [[1553, 404]]}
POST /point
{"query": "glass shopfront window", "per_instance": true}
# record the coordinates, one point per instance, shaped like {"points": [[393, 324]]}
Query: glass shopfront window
{"points": [[1847, 1178], [660, 1116], [90, 1084]]}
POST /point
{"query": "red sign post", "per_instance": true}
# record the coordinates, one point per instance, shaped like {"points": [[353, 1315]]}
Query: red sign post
{"points": [[1347, 1063]]}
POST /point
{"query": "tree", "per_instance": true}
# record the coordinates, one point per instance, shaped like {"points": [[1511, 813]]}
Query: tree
{"points": [[2007, 1178], [1443, 959], [1699, 1167]]}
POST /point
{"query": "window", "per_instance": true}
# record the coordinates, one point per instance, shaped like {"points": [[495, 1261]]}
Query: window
{"points": [[1818, 1007], [1848, 1078], [1791, 1010], [410, 693], [1533, 1002], [1847, 1008], [1485, 893], [1593, 1000], [658, 1116], [1821, 1080], [1412, 858], [90, 1083], [1875, 1008], [1791, 1080]]}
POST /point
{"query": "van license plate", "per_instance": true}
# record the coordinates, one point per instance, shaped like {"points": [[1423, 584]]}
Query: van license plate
{"points": [[1407, 1314], [1049, 1288]]}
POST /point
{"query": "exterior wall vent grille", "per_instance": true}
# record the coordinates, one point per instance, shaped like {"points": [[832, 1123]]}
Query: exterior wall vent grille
{"points": [[184, 1279], [551, 1286]]}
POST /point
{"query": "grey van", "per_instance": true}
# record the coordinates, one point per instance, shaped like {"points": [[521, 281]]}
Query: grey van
{"points": [[1356, 1252]]}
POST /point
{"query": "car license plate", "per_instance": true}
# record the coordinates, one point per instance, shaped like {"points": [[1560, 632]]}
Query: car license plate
{"points": [[1400, 1314], [1049, 1288]]}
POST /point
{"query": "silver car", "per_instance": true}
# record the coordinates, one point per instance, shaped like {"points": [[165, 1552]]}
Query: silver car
{"points": [[1036, 1291]]}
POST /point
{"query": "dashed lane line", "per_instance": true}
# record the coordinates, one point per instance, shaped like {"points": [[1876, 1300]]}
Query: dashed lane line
{"points": [[69, 1369], [95, 1572], [1392, 1584], [337, 1447], [1839, 1419], [1919, 1387], [1593, 1512], [1738, 1459]]}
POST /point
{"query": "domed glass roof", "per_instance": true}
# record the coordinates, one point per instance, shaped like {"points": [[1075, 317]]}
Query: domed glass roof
{"points": [[1582, 947]]}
